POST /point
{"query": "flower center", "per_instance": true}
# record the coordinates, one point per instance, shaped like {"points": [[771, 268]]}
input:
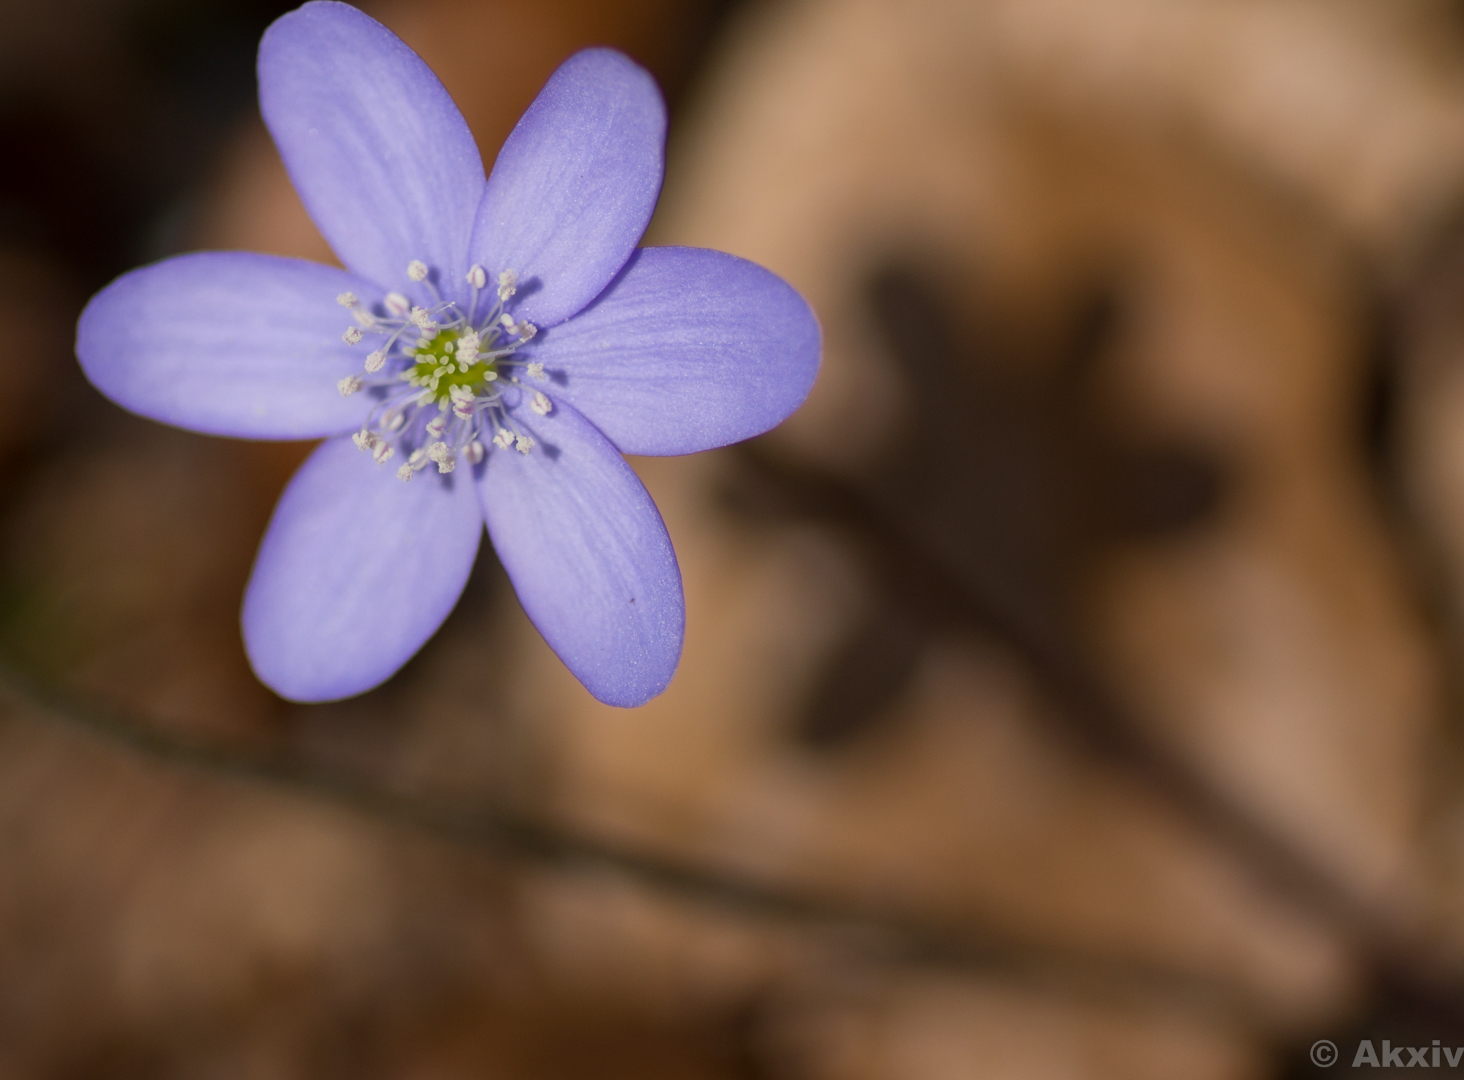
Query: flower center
{"points": [[444, 379], [437, 367]]}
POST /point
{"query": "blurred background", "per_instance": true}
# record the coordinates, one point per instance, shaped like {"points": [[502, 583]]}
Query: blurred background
{"points": [[1072, 688]]}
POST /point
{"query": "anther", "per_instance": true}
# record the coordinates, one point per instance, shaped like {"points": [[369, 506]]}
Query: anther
{"points": [[504, 438], [423, 321], [381, 451], [365, 439], [405, 473], [440, 454], [436, 426], [347, 300], [397, 304], [526, 330], [352, 335], [364, 317], [541, 404], [349, 385], [477, 277], [417, 270], [475, 452], [536, 371], [507, 284], [523, 444], [376, 361]]}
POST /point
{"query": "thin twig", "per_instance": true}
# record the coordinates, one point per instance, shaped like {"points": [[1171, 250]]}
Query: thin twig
{"points": [[876, 934]]}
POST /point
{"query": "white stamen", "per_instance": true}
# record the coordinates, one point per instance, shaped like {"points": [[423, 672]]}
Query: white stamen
{"points": [[347, 300], [364, 317], [443, 457], [397, 304], [417, 270], [395, 420], [523, 444], [365, 439], [541, 404], [405, 473], [381, 451], [436, 426], [504, 438], [352, 335], [477, 277], [423, 321], [349, 385], [376, 361], [475, 452], [507, 284], [507, 323], [526, 330], [536, 371]]}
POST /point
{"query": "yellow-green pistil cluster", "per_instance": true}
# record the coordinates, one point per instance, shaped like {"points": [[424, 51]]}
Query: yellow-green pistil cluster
{"points": [[447, 360]]}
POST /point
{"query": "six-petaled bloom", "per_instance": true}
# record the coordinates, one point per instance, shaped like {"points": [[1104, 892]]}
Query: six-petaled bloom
{"points": [[493, 348]]}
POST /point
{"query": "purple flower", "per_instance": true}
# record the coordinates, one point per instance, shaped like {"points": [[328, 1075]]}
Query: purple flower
{"points": [[504, 343]]}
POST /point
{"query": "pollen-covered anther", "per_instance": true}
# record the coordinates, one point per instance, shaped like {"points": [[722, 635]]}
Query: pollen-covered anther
{"points": [[352, 336], [439, 453], [365, 439], [376, 361], [436, 426], [506, 321], [477, 276], [381, 451], [526, 330], [422, 320], [349, 385], [475, 452], [541, 404], [523, 444], [536, 371], [397, 305], [364, 317], [417, 270], [504, 439], [405, 473], [507, 284], [347, 300]]}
